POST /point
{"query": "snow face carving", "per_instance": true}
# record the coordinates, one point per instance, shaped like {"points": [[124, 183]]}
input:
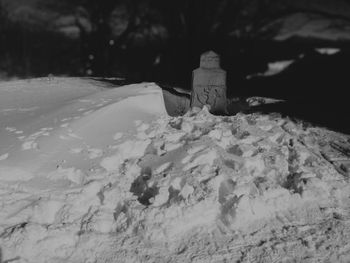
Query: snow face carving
{"points": [[209, 84]]}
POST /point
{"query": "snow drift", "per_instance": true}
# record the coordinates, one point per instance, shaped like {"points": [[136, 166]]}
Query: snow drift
{"points": [[110, 177], [49, 124]]}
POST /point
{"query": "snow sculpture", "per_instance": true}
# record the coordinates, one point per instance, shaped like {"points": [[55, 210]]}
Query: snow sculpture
{"points": [[209, 84]]}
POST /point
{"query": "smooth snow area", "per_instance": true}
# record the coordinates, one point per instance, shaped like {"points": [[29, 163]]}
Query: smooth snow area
{"points": [[63, 123], [105, 175]]}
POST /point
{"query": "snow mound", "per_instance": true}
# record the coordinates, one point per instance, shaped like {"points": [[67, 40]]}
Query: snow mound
{"points": [[62, 123], [192, 188]]}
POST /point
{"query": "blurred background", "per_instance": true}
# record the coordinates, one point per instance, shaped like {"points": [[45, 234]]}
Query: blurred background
{"points": [[281, 48]]}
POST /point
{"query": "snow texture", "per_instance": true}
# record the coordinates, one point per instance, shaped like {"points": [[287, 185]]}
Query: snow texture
{"points": [[125, 182]]}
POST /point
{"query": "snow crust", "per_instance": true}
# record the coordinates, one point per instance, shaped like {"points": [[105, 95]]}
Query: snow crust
{"points": [[121, 181]]}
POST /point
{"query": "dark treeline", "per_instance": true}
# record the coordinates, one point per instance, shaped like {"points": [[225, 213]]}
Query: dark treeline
{"points": [[150, 40]]}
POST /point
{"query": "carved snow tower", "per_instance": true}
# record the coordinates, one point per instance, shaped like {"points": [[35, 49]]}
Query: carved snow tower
{"points": [[209, 84]]}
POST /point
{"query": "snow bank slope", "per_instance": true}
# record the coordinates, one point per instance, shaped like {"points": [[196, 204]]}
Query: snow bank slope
{"points": [[195, 188], [65, 123]]}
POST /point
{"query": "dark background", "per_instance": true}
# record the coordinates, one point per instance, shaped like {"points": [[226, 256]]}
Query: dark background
{"points": [[161, 41]]}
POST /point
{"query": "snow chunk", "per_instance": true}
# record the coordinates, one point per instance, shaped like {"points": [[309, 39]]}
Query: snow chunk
{"points": [[126, 150], [203, 159], [163, 167], [162, 197], [187, 127], [117, 136], [29, 145], [175, 137], [186, 191], [216, 134]]}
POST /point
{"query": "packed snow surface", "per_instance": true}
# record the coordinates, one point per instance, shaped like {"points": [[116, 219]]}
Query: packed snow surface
{"points": [[91, 174], [58, 123]]}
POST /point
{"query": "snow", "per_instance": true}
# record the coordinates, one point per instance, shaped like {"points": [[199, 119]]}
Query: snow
{"points": [[328, 51], [274, 68], [122, 181], [277, 67], [13, 174], [117, 136], [127, 150], [70, 112], [257, 101]]}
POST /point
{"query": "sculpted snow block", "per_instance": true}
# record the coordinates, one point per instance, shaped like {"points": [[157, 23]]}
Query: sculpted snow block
{"points": [[209, 84]]}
